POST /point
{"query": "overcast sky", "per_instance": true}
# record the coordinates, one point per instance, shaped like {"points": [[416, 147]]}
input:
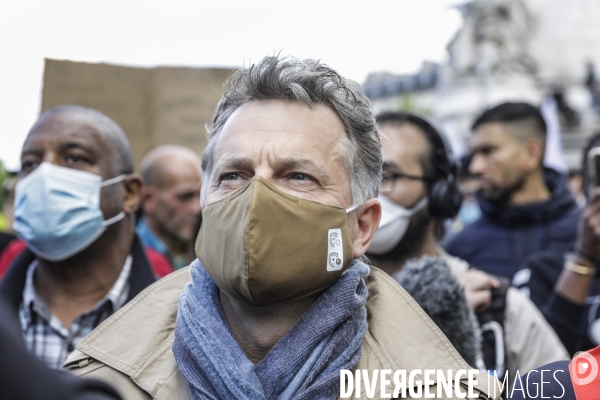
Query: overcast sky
{"points": [[354, 37]]}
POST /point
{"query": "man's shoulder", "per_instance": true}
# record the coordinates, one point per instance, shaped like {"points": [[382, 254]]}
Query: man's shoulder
{"points": [[102, 372], [401, 326], [136, 341], [157, 383]]}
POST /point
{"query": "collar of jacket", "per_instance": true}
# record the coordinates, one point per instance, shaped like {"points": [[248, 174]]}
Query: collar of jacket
{"points": [[400, 337], [13, 282], [560, 201]]}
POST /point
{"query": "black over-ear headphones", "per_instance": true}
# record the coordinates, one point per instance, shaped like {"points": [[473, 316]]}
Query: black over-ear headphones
{"points": [[445, 197]]}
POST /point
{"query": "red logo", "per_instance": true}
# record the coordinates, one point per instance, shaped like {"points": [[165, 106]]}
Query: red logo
{"points": [[584, 374]]}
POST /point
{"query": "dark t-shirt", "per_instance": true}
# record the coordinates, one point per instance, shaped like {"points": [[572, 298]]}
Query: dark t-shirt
{"points": [[577, 326]]}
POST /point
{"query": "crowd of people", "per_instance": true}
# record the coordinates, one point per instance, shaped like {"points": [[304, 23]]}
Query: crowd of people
{"points": [[310, 237]]}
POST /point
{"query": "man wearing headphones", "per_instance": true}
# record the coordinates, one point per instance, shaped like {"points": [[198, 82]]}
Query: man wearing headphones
{"points": [[418, 194]]}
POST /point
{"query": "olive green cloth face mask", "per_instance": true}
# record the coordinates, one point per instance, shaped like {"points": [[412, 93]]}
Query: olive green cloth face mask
{"points": [[262, 246]]}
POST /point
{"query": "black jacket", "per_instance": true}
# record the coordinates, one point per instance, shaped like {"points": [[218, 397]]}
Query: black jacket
{"points": [[13, 281], [550, 381], [504, 236], [578, 327]]}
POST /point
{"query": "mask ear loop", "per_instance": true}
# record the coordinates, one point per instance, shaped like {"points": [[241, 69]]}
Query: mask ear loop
{"points": [[419, 206], [113, 180], [349, 210], [120, 215], [114, 219]]}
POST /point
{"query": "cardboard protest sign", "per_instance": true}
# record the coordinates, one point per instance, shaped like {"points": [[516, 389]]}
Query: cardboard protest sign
{"points": [[154, 106]]}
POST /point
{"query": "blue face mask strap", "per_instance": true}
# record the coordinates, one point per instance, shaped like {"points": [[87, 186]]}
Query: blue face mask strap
{"points": [[113, 180]]}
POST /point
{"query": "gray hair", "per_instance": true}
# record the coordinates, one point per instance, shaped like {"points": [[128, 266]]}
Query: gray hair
{"points": [[307, 82]]}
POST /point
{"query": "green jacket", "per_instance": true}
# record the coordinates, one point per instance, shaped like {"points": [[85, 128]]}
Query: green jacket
{"points": [[132, 349]]}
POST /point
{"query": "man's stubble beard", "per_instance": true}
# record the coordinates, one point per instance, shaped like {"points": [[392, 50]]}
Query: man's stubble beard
{"points": [[181, 233], [497, 194], [412, 242]]}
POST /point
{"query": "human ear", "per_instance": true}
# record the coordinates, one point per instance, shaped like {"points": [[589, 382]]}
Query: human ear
{"points": [[132, 195], [368, 216], [534, 154]]}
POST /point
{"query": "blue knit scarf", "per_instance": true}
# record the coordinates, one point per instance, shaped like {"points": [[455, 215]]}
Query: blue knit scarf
{"points": [[304, 364]]}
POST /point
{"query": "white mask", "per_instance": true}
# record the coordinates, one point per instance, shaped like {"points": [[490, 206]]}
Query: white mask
{"points": [[394, 222]]}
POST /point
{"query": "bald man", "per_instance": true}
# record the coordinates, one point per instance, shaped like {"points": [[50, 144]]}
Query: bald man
{"points": [[171, 202], [74, 208]]}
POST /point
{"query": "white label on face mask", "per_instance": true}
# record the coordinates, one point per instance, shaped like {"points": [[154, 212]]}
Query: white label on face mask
{"points": [[335, 252]]}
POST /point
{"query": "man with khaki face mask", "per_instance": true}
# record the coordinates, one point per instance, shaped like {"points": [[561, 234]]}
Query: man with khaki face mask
{"points": [[276, 304]]}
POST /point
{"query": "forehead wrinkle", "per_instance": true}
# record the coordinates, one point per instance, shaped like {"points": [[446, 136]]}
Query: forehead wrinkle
{"points": [[234, 162], [287, 162], [79, 131]]}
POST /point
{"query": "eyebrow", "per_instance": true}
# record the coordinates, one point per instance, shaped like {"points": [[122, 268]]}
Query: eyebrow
{"points": [[63, 146], [34, 151], [481, 147], [291, 162], [235, 163], [388, 164], [281, 163]]}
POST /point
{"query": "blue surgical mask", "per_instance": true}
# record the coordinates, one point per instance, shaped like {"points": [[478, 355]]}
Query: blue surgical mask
{"points": [[57, 210]]}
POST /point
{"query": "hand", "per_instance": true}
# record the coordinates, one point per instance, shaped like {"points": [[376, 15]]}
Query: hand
{"points": [[587, 247], [478, 288]]}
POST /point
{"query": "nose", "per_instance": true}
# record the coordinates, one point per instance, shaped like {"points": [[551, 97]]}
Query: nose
{"points": [[477, 166], [52, 158], [266, 172]]}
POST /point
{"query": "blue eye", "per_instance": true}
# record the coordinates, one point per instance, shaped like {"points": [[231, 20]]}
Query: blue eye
{"points": [[232, 176], [300, 177]]}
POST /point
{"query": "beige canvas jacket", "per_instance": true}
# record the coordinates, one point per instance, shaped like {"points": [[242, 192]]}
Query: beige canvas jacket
{"points": [[132, 349]]}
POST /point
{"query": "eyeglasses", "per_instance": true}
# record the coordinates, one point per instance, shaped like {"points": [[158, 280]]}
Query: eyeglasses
{"points": [[389, 179]]}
